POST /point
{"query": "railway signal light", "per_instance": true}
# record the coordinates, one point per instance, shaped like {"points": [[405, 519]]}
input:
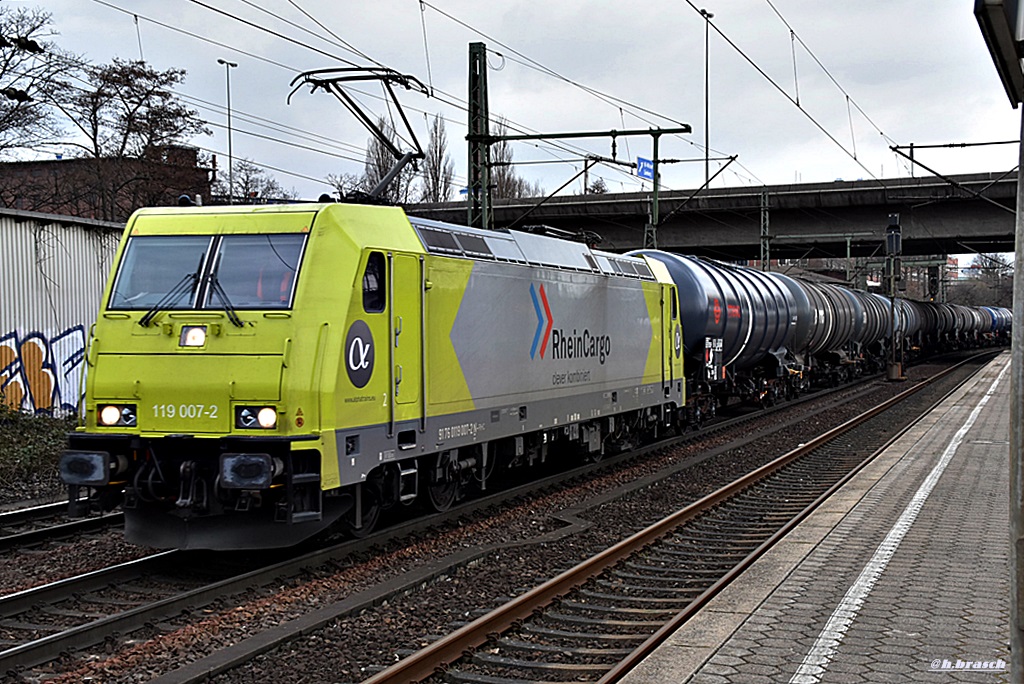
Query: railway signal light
{"points": [[893, 236]]}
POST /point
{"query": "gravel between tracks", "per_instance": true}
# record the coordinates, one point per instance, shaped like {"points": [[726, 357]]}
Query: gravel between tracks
{"points": [[351, 649]]}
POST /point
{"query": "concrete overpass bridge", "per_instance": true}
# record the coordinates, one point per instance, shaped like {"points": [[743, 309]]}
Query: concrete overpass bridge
{"points": [[959, 214]]}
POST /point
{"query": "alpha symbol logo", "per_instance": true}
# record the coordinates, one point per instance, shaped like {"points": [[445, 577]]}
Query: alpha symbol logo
{"points": [[542, 318], [359, 353]]}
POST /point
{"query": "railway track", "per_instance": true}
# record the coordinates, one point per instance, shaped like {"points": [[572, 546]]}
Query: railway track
{"points": [[47, 522], [599, 619], [34, 623]]}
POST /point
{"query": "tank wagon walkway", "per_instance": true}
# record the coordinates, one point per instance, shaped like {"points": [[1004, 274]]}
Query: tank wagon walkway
{"points": [[901, 576]]}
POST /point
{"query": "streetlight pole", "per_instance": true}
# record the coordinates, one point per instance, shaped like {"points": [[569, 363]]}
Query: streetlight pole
{"points": [[231, 161], [708, 16]]}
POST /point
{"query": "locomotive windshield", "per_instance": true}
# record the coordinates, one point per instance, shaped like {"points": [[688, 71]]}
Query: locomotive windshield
{"points": [[208, 272]]}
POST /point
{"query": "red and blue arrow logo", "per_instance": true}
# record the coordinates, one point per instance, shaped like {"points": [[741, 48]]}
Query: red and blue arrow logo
{"points": [[541, 315]]}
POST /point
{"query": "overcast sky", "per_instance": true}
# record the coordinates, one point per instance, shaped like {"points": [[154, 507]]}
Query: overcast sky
{"points": [[898, 71]]}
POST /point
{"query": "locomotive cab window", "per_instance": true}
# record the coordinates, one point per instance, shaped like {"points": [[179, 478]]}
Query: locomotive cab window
{"points": [[160, 268], [374, 293], [208, 272], [255, 271]]}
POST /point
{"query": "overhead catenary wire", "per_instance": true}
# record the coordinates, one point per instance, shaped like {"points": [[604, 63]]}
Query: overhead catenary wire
{"points": [[826, 71], [439, 95], [549, 145], [817, 124], [518, 57], [261, 58], [619, 103], [244, 116], [426, 46]]}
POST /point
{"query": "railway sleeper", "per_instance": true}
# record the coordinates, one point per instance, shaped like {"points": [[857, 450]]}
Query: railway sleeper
{"points": [[674, 573], [519, 663], [559, 617], [551, 634], [534, 647], [616, 610], [473, 678], [655, 600], [650, 588]]}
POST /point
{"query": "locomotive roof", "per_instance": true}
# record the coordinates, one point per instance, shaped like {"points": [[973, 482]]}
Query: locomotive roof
{"points": [[525, 248], [459, 241]]}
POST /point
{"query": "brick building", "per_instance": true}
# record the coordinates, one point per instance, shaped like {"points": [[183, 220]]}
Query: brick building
{"points": [[105, 189]]}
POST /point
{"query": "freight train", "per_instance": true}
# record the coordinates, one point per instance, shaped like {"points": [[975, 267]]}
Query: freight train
{"points": [[761, 336], [259, 375]]}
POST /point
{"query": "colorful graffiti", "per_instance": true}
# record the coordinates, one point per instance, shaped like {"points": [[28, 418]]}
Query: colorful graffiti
{"points": [[42, 374]]}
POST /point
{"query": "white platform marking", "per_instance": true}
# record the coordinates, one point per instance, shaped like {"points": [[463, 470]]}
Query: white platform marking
{"points": [[820, 656]]}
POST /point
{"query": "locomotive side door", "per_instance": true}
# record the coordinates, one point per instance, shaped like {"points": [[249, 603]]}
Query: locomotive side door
{"points": [[406, 285], [670, 335]]}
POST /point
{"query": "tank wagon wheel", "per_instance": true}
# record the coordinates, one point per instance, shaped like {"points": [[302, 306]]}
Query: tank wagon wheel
{"points": [[442, 480], [371, 509]]}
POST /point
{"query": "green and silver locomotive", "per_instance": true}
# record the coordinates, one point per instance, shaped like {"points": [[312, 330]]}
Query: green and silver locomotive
{"points": [[257, 375]]}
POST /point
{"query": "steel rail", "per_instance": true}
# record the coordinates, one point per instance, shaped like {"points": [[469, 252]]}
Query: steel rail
{"points": [[450, 648], [61, 531], [19, 516]]}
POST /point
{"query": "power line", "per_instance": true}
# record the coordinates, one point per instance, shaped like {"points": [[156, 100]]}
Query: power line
{"points": [[455, 102], [828, 73], [789, 97]]}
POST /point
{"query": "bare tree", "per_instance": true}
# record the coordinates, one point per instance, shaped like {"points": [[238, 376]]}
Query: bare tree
{"points": [[505, 182], [130, 133], [438, 167], [129, 109], [345, 184], [31, 73], [990, 285], [252, 184]]}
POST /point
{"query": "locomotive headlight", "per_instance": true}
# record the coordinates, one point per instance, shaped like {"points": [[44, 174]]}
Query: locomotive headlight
{"points": [[256, 417], [192, 336], [267, 417], [110, 415]]}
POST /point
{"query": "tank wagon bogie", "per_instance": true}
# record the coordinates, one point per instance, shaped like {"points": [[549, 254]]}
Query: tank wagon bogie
{"points": [[260, 374]]}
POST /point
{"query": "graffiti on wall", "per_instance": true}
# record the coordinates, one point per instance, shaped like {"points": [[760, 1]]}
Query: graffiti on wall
{"points": [[41, 373]]}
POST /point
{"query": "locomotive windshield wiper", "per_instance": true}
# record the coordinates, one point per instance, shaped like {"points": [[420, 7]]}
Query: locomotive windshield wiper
{"points": [[228, 307], [186, 284]]}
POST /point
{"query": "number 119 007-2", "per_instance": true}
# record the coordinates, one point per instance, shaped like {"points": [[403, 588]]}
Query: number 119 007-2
{"points": [[185, 410]]}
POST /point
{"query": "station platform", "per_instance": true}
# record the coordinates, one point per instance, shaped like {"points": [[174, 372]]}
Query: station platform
{"points": [[901, 576]]}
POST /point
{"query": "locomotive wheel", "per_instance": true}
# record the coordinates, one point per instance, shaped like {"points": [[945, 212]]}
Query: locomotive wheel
{"points": [[442, 493], [371, 509]]}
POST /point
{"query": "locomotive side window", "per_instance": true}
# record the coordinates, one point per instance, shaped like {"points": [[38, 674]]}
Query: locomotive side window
{"points": [[374, 293], [255, 271], [160, 267]]}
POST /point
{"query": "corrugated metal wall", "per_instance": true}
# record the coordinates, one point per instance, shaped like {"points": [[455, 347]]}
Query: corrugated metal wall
{"points": [[52, 274]]}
